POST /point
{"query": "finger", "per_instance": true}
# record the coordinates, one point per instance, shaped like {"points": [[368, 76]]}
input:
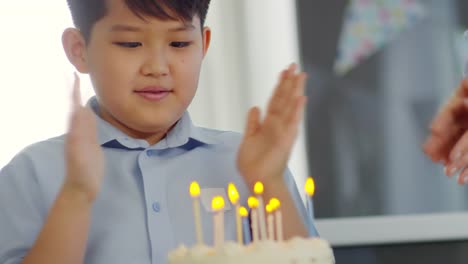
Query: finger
{"points": [[448, 125], [459, 148], [454, 114], [285, 74], [438, 149], [446, 129], [76, 93], [298, 112], [454, 106], [301, 84], [253, 121], [275, 100], [445, 132], [457, 165], [280, 95], [297, 91], [458, 156], [444, 124], [75, 107], [91, 125], [463, 177], [288, 87], [297, 86], [83, 128], [73, 133]]}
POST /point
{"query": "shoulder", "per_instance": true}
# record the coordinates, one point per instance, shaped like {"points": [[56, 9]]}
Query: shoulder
{"points": [[48, 148], [27, 189], [36, 156]]}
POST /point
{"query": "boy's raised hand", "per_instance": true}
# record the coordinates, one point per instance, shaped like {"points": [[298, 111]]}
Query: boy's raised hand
{"points": [[448, 138], [83, 155], [267, 142]]}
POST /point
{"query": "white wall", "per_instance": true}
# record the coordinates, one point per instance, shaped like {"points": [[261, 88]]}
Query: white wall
{"points": [[35, 76]]}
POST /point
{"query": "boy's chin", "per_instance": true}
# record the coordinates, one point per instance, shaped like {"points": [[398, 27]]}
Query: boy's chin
{"points": [[155, 125]]}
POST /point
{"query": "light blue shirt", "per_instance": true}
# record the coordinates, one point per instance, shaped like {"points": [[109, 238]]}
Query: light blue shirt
{"points": [[144, 208]]}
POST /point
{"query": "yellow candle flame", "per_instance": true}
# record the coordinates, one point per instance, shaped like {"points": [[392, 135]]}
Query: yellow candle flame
{"points": [[310, 186], [253, 202], [217, 204], [269, 208], [275, 203], [233, 193], [194, 189], [243, 211], [258, 188]]}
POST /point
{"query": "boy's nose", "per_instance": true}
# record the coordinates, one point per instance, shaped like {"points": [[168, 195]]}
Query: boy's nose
{"points": [[155, 66]]}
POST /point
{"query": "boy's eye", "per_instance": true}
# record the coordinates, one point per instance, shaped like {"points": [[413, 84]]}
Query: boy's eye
{"points": [[180, 44], [128, 44]]}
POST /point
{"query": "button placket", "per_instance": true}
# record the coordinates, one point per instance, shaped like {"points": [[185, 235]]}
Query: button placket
{"points": [[154, 184]]}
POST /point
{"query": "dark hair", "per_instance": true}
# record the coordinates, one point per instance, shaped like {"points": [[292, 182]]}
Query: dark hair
{"points": [[86, 13]]}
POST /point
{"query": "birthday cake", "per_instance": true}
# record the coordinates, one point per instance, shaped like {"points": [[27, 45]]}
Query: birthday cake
{"points": [[294, 251], [267, 244]]}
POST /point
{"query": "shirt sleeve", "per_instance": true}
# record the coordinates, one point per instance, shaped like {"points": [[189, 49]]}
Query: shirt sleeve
{"points": [[292, 187], [20, 209]]}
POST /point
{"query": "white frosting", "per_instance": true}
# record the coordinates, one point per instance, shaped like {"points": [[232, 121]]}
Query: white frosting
{"points": [[294, 251], [199, 251], [178, 253], [232, 249]]}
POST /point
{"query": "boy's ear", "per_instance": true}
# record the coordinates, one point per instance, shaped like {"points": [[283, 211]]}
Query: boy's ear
{"points": [[206, 39], [75, 48]]}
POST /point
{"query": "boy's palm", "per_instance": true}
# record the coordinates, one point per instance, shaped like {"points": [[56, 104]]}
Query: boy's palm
{"points": [[84, 157], [267, 143]]}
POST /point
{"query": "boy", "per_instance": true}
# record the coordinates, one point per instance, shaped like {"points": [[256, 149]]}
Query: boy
{"points": [[120, 195]]}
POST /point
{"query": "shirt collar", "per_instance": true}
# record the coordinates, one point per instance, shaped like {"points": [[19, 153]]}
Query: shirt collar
{"points": [[182, 133]]}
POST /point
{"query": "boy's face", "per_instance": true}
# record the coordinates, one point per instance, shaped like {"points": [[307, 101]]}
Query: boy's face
{"points": [[145, 73]]}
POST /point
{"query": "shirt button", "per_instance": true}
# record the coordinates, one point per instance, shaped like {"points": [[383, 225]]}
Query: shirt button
{"points": [[156, 207], [149, 153]]}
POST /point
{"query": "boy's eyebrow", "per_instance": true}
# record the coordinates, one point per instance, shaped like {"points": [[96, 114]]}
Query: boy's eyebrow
{"points": [[119, 27], [184, 27]]}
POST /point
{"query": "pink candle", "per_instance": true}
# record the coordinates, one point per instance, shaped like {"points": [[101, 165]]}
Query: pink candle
{"points": [[234, 198], [258, 190], [275, 203], [217, 204], [269, 210], [195, 194]]}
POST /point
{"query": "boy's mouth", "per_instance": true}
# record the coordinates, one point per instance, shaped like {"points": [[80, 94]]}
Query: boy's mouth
{"points": [[153, 93]]}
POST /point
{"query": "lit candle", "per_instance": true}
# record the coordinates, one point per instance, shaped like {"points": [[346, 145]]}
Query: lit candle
{"points": [[245, 224], [217, 204], [269, 210], [310, 189], [258, 190], [234, 198], [275, 203], [253, 204], [195, 193]]}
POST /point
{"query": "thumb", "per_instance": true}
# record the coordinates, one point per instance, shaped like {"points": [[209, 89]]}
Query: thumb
{"points": [[76, 93], [253, 121], [75, 103]]}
